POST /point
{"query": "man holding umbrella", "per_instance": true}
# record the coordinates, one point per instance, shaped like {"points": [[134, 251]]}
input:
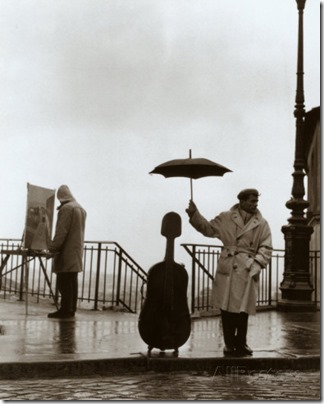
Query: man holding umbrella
{"points": [[247, 249]]}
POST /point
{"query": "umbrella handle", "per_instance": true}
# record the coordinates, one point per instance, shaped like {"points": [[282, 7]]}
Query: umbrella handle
{"points": [[191, 196]]}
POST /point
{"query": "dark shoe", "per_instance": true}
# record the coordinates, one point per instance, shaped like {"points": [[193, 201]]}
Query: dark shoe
{"points": [[61, 314], [244, 350], [229, 350]]}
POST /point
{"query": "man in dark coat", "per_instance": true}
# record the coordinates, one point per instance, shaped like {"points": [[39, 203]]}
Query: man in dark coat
{"points": [[67, 247], [247, 249]]}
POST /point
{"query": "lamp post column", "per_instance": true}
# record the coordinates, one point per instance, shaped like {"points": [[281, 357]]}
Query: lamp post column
{"points": [[296, 287]]}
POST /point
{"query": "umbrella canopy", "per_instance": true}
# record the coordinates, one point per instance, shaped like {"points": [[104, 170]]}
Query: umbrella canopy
{"points": [[192, 168]]}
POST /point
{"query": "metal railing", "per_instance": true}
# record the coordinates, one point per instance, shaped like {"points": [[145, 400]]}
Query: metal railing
{"points": [[110, 277], [203, 268]]}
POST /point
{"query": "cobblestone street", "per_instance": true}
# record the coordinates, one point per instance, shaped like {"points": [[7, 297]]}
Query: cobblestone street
{"points": [[224, 384]]}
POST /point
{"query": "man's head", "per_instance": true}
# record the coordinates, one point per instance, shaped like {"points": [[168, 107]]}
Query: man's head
{"points": [[249, 199]]}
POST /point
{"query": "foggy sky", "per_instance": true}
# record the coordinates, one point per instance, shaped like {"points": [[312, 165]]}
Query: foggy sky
{"points": [[96, 93]]}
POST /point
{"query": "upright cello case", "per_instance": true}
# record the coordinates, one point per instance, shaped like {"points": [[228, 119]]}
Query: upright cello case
{"points": [[164, 321]]}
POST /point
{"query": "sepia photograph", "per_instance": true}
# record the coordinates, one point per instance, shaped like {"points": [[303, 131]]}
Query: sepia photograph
{"points": [[160, 224]]}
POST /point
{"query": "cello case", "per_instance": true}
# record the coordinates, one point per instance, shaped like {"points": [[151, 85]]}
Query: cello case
{"points": [[164, 321]]}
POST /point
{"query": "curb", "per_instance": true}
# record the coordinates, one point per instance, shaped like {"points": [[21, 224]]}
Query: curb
{"points": [[243, 365], [43, 370], [216, 366]]}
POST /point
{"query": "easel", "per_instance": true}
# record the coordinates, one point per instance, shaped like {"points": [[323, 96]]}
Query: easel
{"points": [[27, 255]]}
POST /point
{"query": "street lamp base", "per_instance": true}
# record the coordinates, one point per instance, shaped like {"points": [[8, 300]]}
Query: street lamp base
{"points": [[295, 305]]}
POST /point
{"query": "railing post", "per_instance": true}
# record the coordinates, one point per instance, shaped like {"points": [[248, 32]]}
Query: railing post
{"points": [[119, 277], [97, 278], [193, 280], [270, 283], [22, 281]]}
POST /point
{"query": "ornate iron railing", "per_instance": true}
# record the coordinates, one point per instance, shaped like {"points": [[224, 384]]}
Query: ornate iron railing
{"points": [[203, 267], [113, 279], [110, 277]]}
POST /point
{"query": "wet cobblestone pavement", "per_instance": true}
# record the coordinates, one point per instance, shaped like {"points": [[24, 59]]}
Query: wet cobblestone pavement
{"points": [[106, 334], [223, 384], [100, 356]]}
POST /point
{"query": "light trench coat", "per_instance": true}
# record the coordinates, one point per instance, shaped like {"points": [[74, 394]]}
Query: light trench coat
{"points": [[234, 288]]}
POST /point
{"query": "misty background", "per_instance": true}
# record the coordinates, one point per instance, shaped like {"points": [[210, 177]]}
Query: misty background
{"points": [[96, 93]]}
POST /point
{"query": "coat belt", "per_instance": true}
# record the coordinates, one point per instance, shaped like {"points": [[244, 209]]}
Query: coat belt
{"points": [[234, 250]]}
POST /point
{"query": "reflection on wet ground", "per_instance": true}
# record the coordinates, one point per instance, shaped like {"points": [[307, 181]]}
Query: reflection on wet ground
{"points": [[114, 335]]}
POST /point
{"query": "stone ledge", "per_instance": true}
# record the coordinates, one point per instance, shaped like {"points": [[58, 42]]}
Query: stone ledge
{"points": [[61, 369]]}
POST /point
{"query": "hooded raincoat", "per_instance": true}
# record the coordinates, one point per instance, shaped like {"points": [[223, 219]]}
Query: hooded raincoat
{"points": [[234, 287], [69, 233]]}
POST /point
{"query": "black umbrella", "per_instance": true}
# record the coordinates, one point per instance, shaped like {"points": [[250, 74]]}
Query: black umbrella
{"points": [[190, 168]]}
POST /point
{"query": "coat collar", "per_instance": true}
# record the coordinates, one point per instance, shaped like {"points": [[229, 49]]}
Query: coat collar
{"points": [[237, 219]]}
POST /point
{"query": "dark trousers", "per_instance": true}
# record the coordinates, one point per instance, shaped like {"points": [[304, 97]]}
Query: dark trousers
{"points": [[67, 284], [235, 327]]}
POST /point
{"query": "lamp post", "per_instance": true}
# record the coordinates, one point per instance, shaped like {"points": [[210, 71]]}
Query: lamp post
{"points": [[296, 287]]}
